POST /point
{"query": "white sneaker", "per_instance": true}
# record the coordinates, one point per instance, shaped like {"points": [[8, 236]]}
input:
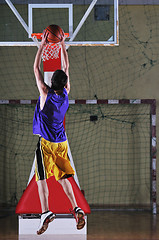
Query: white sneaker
{"points": [[79, 216], [46, 218]]}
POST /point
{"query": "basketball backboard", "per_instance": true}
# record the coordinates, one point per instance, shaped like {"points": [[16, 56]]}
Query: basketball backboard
{"points": [[89, 22]]}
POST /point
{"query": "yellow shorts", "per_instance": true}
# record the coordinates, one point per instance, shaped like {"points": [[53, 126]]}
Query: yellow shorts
{"points": [[52, 160]]}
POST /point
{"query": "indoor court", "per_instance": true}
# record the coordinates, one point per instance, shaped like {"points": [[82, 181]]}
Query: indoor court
{"points": [[111, 123], [104, 225]]}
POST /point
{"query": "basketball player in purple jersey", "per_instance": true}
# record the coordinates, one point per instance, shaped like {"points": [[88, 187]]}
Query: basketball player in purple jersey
{"points": [[51, 152]]}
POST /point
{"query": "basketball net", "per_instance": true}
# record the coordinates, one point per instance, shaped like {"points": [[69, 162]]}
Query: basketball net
{"points": [[51, 50]]}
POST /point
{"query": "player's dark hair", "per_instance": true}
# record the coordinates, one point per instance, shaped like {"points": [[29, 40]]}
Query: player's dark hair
{"points": [[58, 80]]}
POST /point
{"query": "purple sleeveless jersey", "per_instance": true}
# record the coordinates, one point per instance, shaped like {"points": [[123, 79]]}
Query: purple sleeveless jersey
{"points": [[48, 123]]}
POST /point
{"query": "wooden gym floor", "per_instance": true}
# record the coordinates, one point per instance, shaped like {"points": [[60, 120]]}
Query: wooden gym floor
{"points": [[102, 225]]}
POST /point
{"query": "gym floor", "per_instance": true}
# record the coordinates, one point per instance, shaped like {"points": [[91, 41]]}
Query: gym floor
{"points": [[102, 225]]}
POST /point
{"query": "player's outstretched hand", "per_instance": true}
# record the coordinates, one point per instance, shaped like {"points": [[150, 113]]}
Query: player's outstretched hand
{"points": [[62, 38], [44, 40]]}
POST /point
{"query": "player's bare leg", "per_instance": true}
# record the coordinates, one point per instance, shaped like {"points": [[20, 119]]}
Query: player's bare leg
{"points": [[43, 194], [46, 216], [67, 187], [78, 212]]}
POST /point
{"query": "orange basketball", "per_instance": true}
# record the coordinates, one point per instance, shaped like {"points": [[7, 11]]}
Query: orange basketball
{"points": [[55, 33]]}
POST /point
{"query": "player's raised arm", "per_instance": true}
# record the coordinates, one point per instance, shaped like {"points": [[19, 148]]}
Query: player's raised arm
{"points": [[42, 87], [66, 65]]}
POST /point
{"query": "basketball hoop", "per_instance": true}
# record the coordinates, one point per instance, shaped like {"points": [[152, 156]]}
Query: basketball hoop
{"points": [[51, 50]]}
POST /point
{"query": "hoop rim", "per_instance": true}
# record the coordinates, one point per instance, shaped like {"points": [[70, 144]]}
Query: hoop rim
{"points": [[39, 35]]}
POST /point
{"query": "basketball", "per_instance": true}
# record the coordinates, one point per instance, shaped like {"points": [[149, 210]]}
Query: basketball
{"points": [[55, 33]]}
